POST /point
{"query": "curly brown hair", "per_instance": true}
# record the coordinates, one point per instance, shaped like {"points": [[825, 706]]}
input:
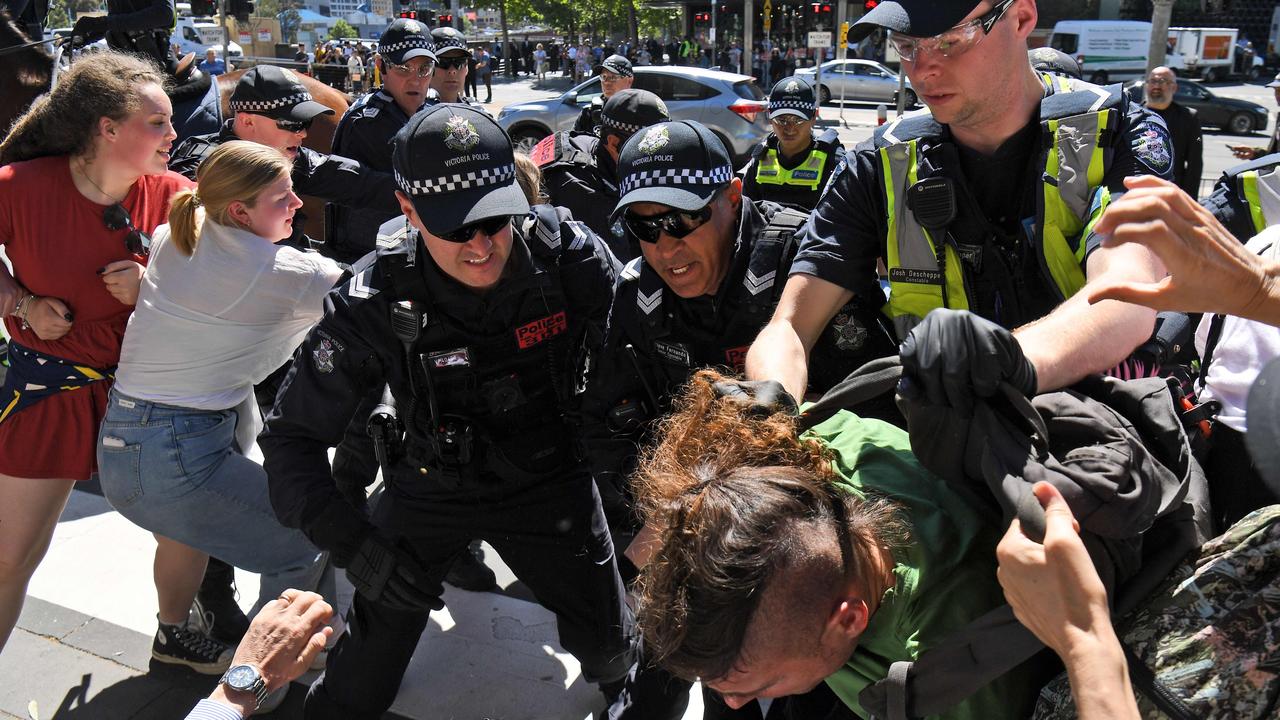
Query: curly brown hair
{"points": [[739, 499], [64, 121]]}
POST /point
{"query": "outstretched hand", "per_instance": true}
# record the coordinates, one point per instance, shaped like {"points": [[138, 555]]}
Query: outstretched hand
{"points": [[1209, 269]]}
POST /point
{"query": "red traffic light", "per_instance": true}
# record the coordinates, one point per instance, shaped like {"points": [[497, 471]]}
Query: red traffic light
{"points": [[445, 18], [826, 8], [869, 5], [409, 14]]}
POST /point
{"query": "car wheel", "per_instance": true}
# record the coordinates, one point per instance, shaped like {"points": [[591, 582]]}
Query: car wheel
{"points": [[1240, 124], [824, 95], [523, 139], [1099, 78], [1211, 75]]}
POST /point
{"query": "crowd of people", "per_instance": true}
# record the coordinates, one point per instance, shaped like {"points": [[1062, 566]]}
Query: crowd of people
{"points": [[599, 359]]}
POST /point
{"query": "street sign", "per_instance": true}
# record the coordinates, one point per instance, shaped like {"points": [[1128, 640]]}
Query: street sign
{"points": [[821, 39], [768, 16], [844, 35]]}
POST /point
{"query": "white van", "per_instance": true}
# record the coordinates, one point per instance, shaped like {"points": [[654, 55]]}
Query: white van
{"points": [[199, 34], [1107, 50], [1211, 53]]}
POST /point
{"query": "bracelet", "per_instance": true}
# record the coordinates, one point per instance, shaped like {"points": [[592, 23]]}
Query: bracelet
{"points": [[24, 308]]}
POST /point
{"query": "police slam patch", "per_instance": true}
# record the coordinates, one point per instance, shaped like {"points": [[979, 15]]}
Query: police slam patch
{"points": [[654, 140], [1151, 146], [736, 358], [535, 332], [460, 135]]}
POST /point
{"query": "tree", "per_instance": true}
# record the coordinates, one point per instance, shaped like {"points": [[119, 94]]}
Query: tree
{"points": [[342, 29]]}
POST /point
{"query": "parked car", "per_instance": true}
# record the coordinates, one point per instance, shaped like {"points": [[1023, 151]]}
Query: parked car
{"points": [[1235, 116], [859, 79], [731, 105]]}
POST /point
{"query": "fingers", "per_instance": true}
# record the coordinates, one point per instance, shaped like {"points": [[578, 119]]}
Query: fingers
{"points": [[1058, 518], [112, 267], [1152, 295], [315, 645]]}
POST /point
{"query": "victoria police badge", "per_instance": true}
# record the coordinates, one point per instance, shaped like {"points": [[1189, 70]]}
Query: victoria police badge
{"points": [[654, 140], [849, 333], [460, 135], [791, 87], [324, 354]]}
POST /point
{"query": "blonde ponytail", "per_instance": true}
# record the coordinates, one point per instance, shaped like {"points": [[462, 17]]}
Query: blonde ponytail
{"points": [[184, 230]]}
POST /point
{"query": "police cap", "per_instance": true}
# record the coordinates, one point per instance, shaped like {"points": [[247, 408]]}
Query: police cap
{"points": [[457, 166], [618, 65], [629, 111], [448, 40], [405, 39], [678, 164], [276, 93], [918, 18], [793, 96]]}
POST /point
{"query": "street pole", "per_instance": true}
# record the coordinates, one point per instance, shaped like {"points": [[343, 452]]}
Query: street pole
{"points": [[1160, 15], [226, 36]]}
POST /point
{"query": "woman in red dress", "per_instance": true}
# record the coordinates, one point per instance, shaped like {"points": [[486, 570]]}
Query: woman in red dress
{"points": [[83, 180]]}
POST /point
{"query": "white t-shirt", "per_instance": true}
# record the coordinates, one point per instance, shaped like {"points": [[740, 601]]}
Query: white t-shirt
{"points": [[208, 327], [1243, 349]]}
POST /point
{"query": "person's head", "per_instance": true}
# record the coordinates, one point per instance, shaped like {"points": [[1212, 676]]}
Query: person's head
{"points": [[274, 108], [241, 184], [457, 175], [767, 572], [966, 60], [451, 69], [1275, 85], [302, 47], [407, 59], [626, 113], [210, 55], [793, 111], [681, 203], [539, 47], [529, 175], [616, 75], [1159, 87], [108, 107]]}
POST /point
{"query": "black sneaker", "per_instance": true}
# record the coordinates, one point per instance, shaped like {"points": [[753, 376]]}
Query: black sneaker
{"points": [[215, 611], [182, 645], [469, 572]]}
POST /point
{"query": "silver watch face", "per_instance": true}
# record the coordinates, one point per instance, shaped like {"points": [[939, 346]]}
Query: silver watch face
{"points": [[242, 677]]}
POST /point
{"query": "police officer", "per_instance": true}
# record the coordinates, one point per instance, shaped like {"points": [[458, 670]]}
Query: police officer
{"points": [[580, 170], [707, 280], [407, 60], [792, 165], [274, 108], [983, 204], [480, 319], [616, 75], [450, 78]]}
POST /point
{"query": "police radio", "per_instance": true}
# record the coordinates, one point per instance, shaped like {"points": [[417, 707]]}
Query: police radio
{"points": [[933, 203]]}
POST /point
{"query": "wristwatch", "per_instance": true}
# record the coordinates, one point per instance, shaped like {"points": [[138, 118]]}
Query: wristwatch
{"points": [[246, 678]]}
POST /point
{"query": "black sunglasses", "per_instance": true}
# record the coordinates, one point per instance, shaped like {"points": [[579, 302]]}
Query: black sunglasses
{"points": [[451, 63], [293, 126], [676, 223], [137, 242], [489, 227]]}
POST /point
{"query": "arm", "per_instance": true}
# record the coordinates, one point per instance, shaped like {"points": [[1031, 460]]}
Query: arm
{"points": [[1057, 594], [781, 350], [341, 180]]}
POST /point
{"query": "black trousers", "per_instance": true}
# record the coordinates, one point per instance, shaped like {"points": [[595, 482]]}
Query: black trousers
{"points": [[1235, 488], [551, 533]]}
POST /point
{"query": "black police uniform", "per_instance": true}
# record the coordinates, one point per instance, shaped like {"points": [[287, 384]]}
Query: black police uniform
{"points": [[365, 133], [433, 98], [997, 197], [330, 177], [142, 26], [589, 119], [578, 174], [792, 195], [488, 453], [1227, 201]]}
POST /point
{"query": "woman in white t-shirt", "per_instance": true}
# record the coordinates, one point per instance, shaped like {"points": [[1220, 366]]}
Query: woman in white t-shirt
{"points": [[540, 62], [220, 307]]}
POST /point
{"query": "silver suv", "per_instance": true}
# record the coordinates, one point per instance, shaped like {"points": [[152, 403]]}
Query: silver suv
{"points": [[732, 106]]}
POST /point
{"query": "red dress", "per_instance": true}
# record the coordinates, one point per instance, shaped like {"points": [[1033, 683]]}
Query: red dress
{"points": [[56, 241]]}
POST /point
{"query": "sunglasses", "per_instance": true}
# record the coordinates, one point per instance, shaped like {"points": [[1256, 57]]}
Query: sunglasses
{"points": [[487, 227], [676, 223], [294, 126], [452, 63], [788, 121], [954, 42], [137, 242], [424, 70]]}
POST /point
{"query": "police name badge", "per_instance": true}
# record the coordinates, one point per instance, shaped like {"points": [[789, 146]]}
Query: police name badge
{"points": [[673, 352], [459, 357]]}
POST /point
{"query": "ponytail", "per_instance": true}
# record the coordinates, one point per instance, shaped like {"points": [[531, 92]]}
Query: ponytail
{"points": [[184, 226]]}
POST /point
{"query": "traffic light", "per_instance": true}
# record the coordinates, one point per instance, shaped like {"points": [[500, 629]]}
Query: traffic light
{"points": [[869, 5], [409, 14], [702, 17], [204, 8], [445, 19], [240, 9]]}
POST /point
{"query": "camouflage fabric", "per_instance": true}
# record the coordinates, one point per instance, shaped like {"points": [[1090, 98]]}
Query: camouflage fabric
{"points": [[1211, 634]]}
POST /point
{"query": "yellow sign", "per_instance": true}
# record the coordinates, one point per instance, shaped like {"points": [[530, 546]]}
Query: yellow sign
{"points": [[768, 16], [844, 35]]}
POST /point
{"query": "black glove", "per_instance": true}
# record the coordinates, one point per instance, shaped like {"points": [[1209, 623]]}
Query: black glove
{"points": [[390, 576], [765, 397], [91, 27], [953, 357]]}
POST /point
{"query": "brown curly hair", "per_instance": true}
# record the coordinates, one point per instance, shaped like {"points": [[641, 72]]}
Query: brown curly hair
{"points": [[65, 120], [737, 498]]}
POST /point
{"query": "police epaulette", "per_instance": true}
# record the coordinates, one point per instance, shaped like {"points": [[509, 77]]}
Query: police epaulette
{"points": [[1263, 163], [631, 270], [542, 232], [1083, 98], [828, 137], [904, 129]]}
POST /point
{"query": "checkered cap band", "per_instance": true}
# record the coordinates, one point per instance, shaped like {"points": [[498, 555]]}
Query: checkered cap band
{"points": [[793, 105], [262, 105], [619, 125], [412, 42], [451, 42], [676, 176], [618, 69], [487, 177]]}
